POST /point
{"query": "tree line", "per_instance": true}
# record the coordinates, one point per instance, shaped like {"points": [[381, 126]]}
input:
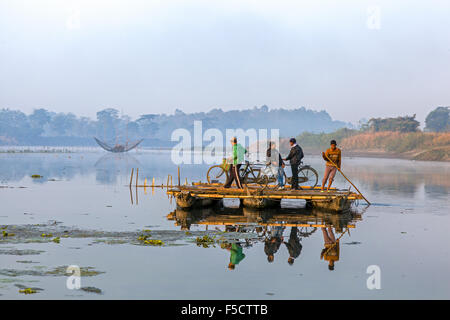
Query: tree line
{"points": [[44, 127]]}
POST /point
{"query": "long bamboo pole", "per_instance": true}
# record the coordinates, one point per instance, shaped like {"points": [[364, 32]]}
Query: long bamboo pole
{"points": [[346, 178]]}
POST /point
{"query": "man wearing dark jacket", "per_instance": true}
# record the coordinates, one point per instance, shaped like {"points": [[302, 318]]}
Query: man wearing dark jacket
{"points": [[295, 157]]}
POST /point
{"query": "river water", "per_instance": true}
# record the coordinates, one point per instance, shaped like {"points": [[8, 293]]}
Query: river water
{"points": [[399, 243]]}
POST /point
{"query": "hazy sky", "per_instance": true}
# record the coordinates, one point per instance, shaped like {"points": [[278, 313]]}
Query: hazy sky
{"points": [[352, 58]]}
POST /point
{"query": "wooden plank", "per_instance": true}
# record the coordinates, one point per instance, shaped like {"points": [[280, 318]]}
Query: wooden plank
{"points": [[277, 197], [219, 223]]}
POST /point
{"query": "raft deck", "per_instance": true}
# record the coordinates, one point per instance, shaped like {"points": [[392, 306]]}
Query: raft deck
{"points": [[257, 197]]}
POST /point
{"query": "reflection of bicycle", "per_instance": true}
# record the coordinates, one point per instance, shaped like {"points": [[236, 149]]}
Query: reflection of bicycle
{"points": [[304, 232]]}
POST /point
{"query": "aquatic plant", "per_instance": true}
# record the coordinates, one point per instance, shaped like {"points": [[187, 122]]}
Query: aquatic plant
{"points": [[56, 240], [143, 237], [62, 271], [92, 290], [36, 176], [27, 291], [205, 241], [7, 234], [154, 242], [46, 235]]}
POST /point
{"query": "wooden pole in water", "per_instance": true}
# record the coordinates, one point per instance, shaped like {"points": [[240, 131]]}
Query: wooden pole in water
{"points": [[347, 178], [137, 176], [131, 177], [131, 195], [179, 181]]}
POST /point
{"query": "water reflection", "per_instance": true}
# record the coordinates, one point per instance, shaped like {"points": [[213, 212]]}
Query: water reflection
{"points": [[405, 178], [109, 166], [281, 229]]}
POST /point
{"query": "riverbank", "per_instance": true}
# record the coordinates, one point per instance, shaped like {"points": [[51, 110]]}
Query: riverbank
{"points": [[425, 146], [436, 154]]}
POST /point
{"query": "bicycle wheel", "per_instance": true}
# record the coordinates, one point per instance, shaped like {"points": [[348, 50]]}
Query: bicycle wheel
{"points": [[216, 174], [304, 232], [308, 176], [263, 181]]}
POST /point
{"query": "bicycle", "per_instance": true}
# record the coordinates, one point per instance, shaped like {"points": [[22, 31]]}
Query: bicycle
{"points": [[254, 173], [218, 173], [249, 173], [307, 176]]}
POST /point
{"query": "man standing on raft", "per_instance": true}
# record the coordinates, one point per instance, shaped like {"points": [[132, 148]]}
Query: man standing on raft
{"points": [[295, 157], [236, 161], [332, 154]]}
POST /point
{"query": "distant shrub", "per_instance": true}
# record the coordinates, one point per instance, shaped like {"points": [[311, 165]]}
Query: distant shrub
{"points": [[438, 120], [401, 124], [322, 140]]}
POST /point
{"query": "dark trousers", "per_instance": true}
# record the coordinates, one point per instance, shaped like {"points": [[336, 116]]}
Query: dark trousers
{"points": [[294, 183], [233, 175]]}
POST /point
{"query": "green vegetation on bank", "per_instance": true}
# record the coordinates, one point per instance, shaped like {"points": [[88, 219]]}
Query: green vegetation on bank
{"points": [[322, 140]]}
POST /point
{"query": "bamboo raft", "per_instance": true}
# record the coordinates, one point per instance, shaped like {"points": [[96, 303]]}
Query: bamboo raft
{"points": [[201, 195]]}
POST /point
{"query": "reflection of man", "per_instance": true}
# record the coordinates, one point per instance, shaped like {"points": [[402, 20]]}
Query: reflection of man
{"points": [[236, 161], [273, 243], [293, 245], [331, 250], [236, 255]]}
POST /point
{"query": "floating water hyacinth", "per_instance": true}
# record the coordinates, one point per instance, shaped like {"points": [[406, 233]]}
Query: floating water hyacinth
{"points": [[143, 237], [56, 240], [205, 241], [154, 242], [7, 234], [27, 291], [46, 235], [36, 176]]}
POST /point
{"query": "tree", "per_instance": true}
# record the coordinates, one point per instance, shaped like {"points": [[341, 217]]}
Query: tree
{"points": [[108, 120], [402, 124], [38, 119], [147, 125], [438, 120], [62, 124]]}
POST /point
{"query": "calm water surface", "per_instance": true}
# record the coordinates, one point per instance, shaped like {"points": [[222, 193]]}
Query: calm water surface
{"points": [[404, 232]]}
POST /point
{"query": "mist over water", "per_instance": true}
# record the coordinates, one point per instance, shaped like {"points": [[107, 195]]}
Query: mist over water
{"points": [[404, 232]]}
